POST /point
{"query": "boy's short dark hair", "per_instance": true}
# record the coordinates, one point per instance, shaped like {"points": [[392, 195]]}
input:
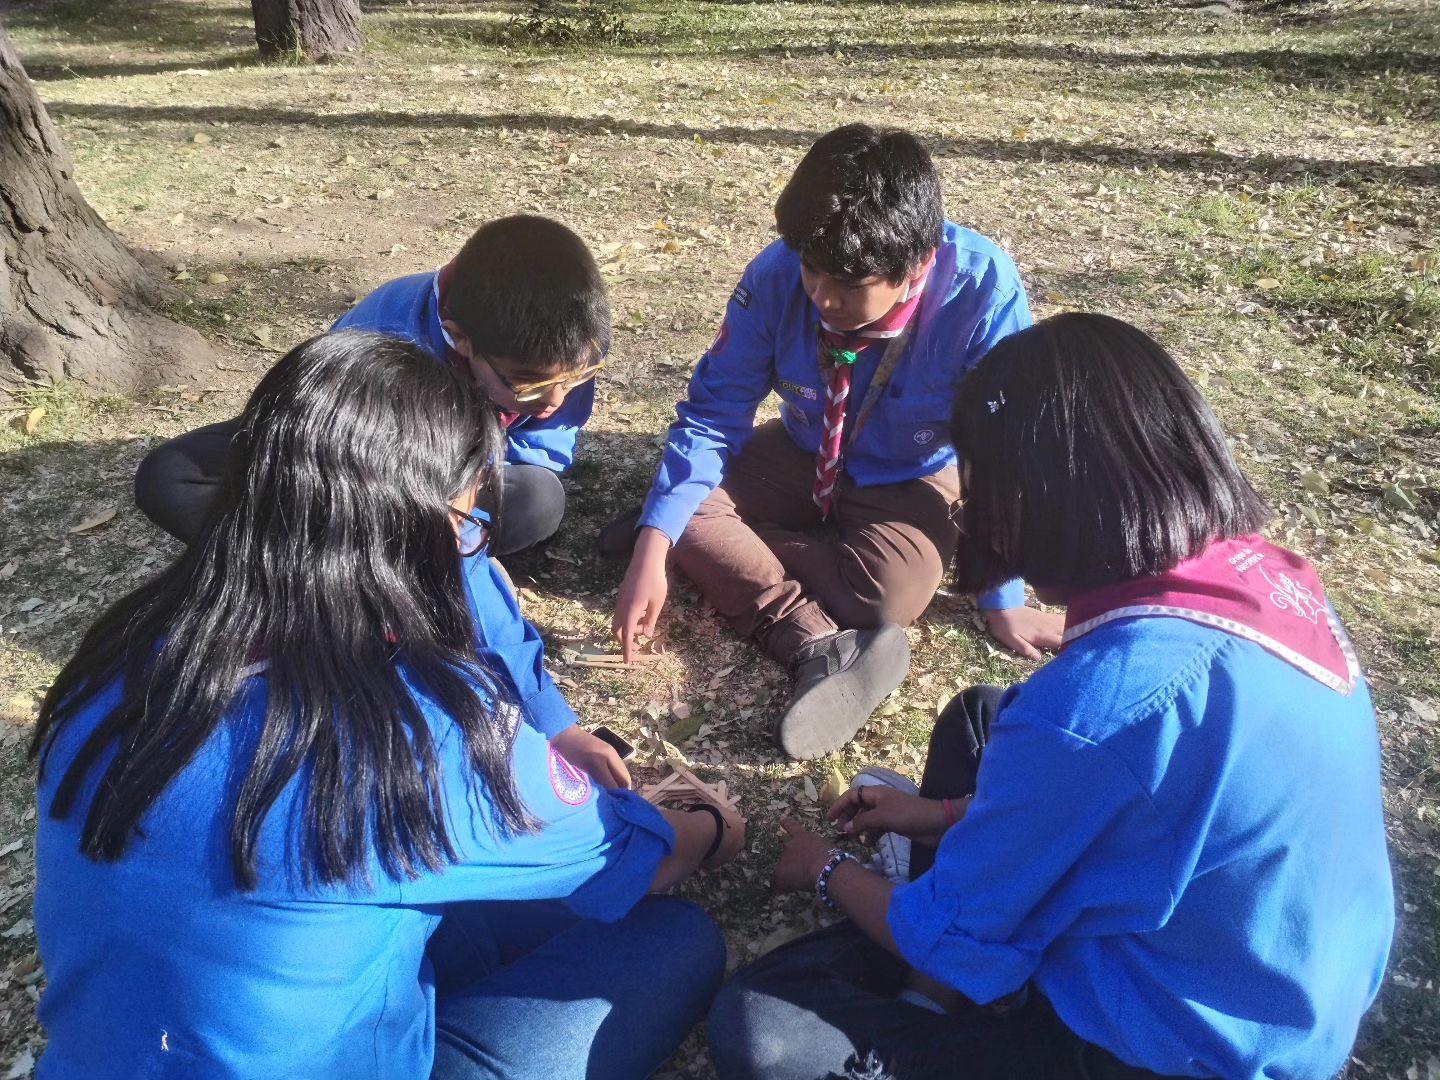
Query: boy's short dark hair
{"points": [[864, 202], [527, 288], [1092, 460]]}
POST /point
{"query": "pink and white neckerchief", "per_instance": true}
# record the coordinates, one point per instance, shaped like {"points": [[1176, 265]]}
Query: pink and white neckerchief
{"points": [[838, 352], [1247, 587], [453, 356]]}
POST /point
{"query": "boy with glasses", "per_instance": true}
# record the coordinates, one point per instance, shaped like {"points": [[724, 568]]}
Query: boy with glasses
{"points": [[521, 310]]}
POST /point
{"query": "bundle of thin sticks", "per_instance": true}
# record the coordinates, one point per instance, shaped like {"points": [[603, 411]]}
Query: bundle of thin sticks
{"points": [[683, 790]]}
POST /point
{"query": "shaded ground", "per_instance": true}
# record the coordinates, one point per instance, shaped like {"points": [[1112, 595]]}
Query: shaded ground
{"points": [[1259, 191]]}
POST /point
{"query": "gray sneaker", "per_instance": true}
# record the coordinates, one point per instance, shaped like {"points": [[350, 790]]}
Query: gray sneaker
{"points": [[892, 851], [839, 680]]}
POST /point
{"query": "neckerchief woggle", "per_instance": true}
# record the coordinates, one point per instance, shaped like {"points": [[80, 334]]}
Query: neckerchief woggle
{"points": [[839, 351]]}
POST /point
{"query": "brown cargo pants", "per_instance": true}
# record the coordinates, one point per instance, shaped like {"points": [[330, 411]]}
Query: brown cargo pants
{"points": [[761, 556]]}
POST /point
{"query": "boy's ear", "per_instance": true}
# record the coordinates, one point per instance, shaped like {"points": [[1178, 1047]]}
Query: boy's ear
{"points": [[458, 341], [926, 261]]}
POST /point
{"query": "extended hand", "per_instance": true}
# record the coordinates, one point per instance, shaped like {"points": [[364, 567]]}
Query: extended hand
{"points": [[594, 755], [1026, 630], [642, 593], [802, 859], [867, 812]]}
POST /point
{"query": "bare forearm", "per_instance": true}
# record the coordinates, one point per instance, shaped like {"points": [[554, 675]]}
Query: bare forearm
{"points": [[694, 833], [865, 898], [651, 546]]}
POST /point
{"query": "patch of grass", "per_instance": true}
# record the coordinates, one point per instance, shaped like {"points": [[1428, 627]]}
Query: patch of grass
{"points": [[68, 411], [1380, 314], [568, 23]]}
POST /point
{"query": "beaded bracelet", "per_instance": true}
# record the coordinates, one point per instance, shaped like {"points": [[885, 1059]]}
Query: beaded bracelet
{"points": [[822, 883]]}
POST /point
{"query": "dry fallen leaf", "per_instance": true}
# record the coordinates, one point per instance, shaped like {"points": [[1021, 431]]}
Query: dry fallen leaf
{"points": [[100, 517], [33, 420]]}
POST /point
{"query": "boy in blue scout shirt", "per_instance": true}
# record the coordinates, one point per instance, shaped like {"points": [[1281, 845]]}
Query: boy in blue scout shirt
{"points": [[823, 533], [521, 311]]}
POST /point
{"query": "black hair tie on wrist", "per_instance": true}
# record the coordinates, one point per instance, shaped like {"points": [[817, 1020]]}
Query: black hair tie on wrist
{"points": [[719, 828]]}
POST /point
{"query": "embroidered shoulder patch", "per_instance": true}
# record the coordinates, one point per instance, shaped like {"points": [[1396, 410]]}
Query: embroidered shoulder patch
{"points": [[571, 785], [741, 296], [721, 339]]}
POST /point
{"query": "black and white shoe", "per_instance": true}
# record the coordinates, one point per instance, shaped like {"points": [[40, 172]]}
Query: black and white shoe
{"points": [[839, 680]]}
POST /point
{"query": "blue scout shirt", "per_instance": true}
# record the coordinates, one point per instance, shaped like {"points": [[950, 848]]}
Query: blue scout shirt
{"points": [[408, 308], [158, 967], [974, 297], [511, 647], [1177, 837]]}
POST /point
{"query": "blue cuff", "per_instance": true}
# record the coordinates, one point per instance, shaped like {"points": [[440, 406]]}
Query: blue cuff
{"points": [[626, 879], [666, 513], [1009, 595], [548, 711]]}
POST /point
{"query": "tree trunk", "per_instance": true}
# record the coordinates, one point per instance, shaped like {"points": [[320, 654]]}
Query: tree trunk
{"points": [[317, 29], [74, 302]]}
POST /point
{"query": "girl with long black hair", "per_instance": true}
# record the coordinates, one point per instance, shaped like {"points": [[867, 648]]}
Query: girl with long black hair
{"points": [[1163, 855], [291, 825]]}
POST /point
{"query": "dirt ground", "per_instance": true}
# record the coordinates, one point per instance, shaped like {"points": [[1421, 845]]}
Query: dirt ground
{"points": [[1256, 187]]}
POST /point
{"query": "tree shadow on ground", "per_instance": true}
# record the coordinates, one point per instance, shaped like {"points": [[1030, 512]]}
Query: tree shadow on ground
{"points": [[42, 70], [1262, 167], [54, 486], [1407, 1012], [135, 24], [1287, 64]]}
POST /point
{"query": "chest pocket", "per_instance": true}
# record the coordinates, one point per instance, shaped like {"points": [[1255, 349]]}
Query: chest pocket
{"points": [[915, 427]]}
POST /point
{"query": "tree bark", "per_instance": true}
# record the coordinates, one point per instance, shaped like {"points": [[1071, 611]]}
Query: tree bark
{"points": [[317, 29], [74, 302]]}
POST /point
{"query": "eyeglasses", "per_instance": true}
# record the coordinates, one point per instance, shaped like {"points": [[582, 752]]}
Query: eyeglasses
{"points": [[957, 514], [536, 390], [482, 533]]}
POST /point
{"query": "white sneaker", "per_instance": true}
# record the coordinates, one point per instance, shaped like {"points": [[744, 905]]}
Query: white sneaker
{"points": [[892, 853]]}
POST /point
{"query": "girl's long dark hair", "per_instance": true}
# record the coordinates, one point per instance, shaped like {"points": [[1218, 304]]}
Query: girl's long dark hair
{"points": [[1092, 460], [330, 556]]}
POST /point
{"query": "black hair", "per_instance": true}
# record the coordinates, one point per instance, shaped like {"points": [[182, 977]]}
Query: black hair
{"points": [[527, 288], [329, 555], [863, 202], [1092, 459]]}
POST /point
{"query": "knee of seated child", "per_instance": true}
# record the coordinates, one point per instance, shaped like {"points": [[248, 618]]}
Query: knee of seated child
{"points": [[691, 935], [745, 1032], [870, 602]]}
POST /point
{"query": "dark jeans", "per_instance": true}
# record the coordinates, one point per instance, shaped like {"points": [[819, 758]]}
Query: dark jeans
{"points": [[177, 481], [825, 1006], [559, 998]]}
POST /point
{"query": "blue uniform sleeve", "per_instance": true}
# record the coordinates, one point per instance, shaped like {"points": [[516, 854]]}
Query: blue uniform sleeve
{"points": [[596, 850], [550, 443], [1010, 594], [511, 648], [717, 418], [1008, 315], [1061, 839]]}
